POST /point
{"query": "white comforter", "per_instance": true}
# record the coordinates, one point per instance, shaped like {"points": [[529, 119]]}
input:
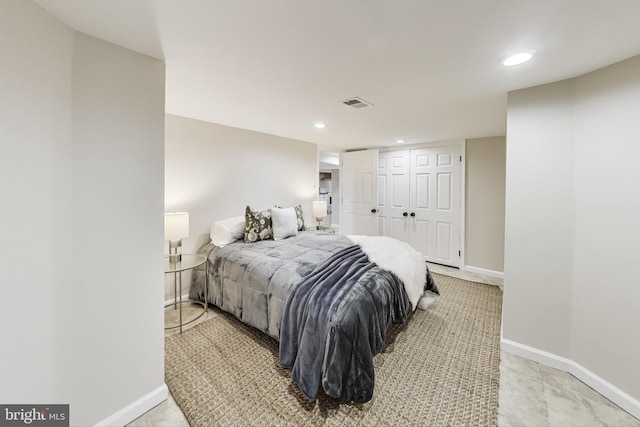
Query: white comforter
{"points": [[404, 261]]}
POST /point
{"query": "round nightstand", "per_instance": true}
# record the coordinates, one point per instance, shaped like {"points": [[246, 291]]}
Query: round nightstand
{"points": [[326, 229], [187, 262]]}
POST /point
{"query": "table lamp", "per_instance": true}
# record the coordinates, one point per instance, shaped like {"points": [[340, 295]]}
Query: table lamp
{"points": [[319, 211], [176, 228]]}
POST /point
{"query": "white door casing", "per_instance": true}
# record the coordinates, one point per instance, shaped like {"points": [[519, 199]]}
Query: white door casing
{"points": [[359, 177]]}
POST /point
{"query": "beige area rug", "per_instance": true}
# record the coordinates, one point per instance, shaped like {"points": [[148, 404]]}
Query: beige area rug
{"points": [[439, 369]]}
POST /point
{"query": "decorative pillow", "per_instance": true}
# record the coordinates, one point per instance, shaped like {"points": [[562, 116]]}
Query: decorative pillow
{"points": [[299, 218], [285, 223], [257, 225], [227, 231]]}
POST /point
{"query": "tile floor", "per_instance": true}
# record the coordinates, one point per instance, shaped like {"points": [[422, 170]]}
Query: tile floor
{"points": [[530, 394]]}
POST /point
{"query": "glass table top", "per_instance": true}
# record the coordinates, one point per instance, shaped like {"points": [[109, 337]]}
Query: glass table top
{"points": [[188, 262]]}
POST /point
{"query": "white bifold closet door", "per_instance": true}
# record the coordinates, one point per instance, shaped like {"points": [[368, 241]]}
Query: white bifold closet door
{"points": [[419, 200], [393, 195]]}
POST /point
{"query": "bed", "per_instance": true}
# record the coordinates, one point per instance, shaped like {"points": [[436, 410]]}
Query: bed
{"points": [[321, 296]]}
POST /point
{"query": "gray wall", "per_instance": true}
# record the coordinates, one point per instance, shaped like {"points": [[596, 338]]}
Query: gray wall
{"points": [[540, 209], [485, 187], [572, 209], [118, 168], [214, 172], [81, 124], [35, 183]]}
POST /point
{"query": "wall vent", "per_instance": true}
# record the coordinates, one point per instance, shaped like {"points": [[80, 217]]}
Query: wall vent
{"points": [[356, 103]]}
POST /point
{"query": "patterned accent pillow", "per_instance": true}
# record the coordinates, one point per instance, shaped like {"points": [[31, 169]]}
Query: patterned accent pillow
{"points": [[257, 225], [300, 218]]}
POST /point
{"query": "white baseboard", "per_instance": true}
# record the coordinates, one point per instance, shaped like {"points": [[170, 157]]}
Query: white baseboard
{"points": [[608, 390], [137, 408], [484, 271]]}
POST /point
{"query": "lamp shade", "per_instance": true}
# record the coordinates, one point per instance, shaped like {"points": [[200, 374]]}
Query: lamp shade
{"points": [[176, 225], [320, 209]]}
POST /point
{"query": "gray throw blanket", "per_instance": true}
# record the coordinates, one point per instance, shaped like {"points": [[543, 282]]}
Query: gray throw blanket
{"points": [[334, 322]]}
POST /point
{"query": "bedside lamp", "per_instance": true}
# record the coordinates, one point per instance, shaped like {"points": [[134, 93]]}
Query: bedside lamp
{"points": [[176, 227], [319, 211]]}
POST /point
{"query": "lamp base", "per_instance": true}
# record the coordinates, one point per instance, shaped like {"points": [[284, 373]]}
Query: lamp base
{"points": [[175, 251]]}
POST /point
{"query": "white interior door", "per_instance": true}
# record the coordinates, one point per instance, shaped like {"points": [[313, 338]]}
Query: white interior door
{"points": [[359, 178], [435, 203], [393, 195]]}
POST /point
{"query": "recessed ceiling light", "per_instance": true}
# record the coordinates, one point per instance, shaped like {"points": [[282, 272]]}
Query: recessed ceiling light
{"points": [[399, 141], [517, 59], [319, 125]]}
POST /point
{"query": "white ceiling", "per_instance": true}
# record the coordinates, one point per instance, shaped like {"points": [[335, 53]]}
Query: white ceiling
{"points": [[431, 68]]}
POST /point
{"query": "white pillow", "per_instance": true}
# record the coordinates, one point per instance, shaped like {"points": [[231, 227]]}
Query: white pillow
{"points": [[284, 223], [227, 231]]}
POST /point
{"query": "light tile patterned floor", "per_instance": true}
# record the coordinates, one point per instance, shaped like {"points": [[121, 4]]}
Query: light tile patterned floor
{"points": [[536, 395], [530, 394]]}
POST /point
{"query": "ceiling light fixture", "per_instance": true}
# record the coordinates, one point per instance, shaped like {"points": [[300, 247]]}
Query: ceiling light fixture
{"points": [[399, 141], [517, 59], [319, 126]]}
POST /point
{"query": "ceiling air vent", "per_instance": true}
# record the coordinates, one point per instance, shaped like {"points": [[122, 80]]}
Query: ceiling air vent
{"points": [[356, 103]]}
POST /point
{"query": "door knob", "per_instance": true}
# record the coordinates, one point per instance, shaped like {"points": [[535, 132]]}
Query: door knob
{"points": [[413, 214], [404, 214], [374, 210]]}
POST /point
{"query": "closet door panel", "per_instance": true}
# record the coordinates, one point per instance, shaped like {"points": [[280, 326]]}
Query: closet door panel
{"points": [[393, 174], [444, 243], [422, 203], [435, 201], [382, 201], [421, 192], [420, 231]]}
